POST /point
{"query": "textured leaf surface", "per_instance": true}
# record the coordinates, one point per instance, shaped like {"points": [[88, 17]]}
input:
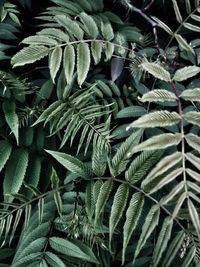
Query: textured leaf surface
{"points": [[193, 141], [83, 62], [55, 61], [15, 173], [186, 73], [9, 109], [29, 55], [156, 70], [162, 240], [158, 95], [185, 46], [53, 260], [118, 206], [156, 119], [132, 216], [69, 62], [193, 117], [157, 142], [5, 151], [191, 94]]}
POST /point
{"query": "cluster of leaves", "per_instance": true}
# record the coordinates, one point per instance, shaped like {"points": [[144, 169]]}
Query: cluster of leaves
{"points": [[100, 140]]}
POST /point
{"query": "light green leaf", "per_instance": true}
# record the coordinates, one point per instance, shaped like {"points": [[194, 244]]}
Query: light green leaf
{"points": [[193, 141], [163, 25], [71, 163], [195, 175], [83, 62], [184, 45], [191, 27], [90, 26], [193, 159], [141, 165], [192, 117], [156, 119], [118, 206], [54, 34], [189, 258], [186, 73], [29, 55], [158, 95], [109, 50], [132, 216], [103, 196], [71, 26], [157, 142], [191, 94], [15, 173], [96, 49], [156, 70], [107, 30], [5, 151], [9, 109], [55, 58], [148, 227], [194, 216], [177, 12], [67, 248], [173, 249], [174, 192], [69, 62], [162, 240], [39, 40]]}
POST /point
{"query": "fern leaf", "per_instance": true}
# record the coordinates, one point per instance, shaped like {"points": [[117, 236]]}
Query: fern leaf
{"points": [[90, 26], [193, 159], [141, 165], [191, 94], [120, 159], [67, 248], [118, 206], [156, 119], [186, 73], [173, 193], [15, 224], [184, 45], [163, 25], [132, 216], [9, 109], [96, 49], [69, 62], [173, 249], [5, 151], [71, 163], [156, 70], [40, 40], [193, 141], [177, 12], [53, 260], [163, 166], [89, 202], [157, 142], [195, 175], [55, 58], [158, 95], [99, 160], [192, 117], [15, 173], [150, 223], [83, 62], [71, 26], [191, 27], [103, 196], [162, 240], [54, 34], [29, 55], [194, 216]]}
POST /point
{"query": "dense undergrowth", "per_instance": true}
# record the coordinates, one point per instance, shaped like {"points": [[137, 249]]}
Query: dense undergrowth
{"points": [[99, 133]]}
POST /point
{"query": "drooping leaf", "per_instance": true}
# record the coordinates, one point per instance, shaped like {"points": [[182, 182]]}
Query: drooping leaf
{"points": [[132, 216], [69, 62], [118, 206], [83, 62], [55, 58], [162, 240], [150, 223], [96, 49], [103, 196]]}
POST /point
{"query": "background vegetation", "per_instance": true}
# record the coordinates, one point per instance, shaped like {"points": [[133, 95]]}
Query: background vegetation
{"points": [[99, 133]]}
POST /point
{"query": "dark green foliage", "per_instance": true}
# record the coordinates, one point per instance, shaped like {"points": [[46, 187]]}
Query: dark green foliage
{"points": [[99, 133]]}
